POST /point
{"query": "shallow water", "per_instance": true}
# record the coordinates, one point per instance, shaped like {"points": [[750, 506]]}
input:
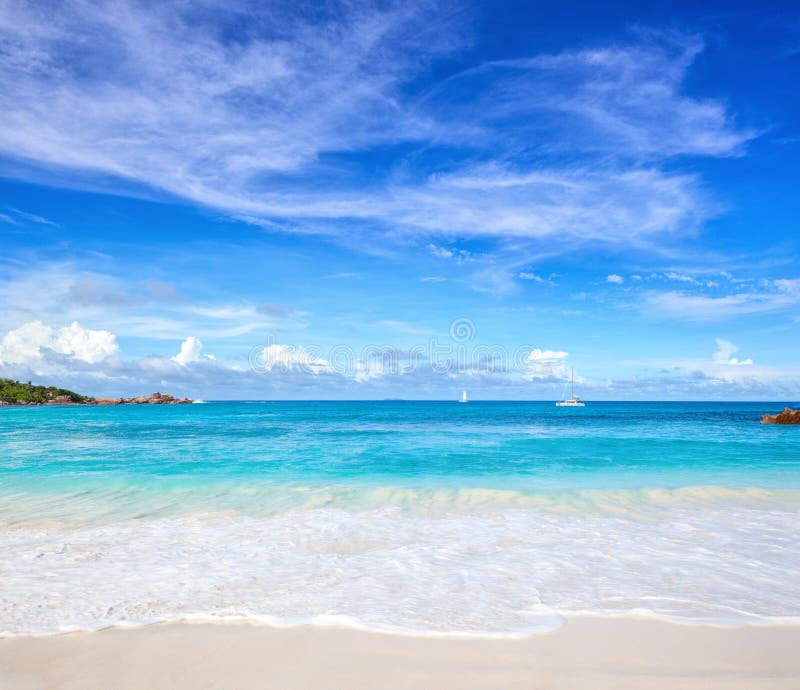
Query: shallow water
{"points": [[486, 518]]}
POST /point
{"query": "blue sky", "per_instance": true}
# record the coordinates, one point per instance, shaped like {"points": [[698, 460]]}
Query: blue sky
{"points": [[298, 200]]}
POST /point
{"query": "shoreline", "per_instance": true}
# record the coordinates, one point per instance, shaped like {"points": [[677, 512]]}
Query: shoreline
{"points": [[587, 651], [555, 621], [18, 394], [155, 399]]}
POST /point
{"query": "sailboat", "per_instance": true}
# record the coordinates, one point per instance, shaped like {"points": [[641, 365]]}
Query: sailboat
{"points": [[574, 400], [463, 397]]}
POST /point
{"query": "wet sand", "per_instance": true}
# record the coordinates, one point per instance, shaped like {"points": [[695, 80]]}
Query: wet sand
{"points": [[587, 652]]}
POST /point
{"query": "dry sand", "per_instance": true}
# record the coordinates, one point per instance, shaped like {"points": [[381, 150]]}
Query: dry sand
{"points": [[587, 653]]}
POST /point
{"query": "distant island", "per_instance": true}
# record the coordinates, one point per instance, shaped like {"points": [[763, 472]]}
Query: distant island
{"points": [[19, 393], [788, 416]]}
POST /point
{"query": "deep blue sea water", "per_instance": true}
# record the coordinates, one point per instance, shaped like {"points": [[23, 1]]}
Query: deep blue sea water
{"points": [[432, 517]]}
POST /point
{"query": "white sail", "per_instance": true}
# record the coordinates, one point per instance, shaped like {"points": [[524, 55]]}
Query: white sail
{"points": [[463, 397], [574, 400]]}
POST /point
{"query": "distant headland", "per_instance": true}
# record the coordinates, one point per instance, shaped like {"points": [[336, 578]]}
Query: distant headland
{"points": [[19, 393]]}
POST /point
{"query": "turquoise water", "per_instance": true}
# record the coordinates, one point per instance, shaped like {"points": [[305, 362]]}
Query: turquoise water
{"points": [[526, 446], [321, 510]]}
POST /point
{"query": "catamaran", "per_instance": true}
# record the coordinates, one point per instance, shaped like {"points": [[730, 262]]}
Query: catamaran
{"points": [[574, 400], [463, 397]]}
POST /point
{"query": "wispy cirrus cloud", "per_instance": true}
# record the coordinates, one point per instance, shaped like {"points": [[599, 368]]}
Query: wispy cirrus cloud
{"points": [[33, 217], [774, 296], [494, 200], [15, 216], [627, 100], [165, 96], [150, 309]]}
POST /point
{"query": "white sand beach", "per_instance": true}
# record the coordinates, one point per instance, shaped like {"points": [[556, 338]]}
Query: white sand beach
{"points": [[587, 652]]}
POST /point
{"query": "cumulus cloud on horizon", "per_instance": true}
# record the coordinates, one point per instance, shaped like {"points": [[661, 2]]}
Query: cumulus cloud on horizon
{"points": [[725, 351], [25, 345], [85, 360], [191, 351]]}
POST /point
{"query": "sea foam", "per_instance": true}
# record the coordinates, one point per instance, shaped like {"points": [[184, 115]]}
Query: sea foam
{"points": [[470, 562]]}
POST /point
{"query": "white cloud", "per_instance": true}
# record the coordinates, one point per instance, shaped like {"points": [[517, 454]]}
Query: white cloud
{"points": [[296, 372], [85, 344], [191, 351], [459, 255], [722, 368], [545, 364], [681, 278], [696, 280], [26, 344], [536, 278], [285, 358], [539, 355], [601, 205], [440, 252], [136, 308], [617, 96], [702, 307], [528, 275], [178, 107], [725, 350], [368, 369], [789, 287], [31, 217], [614, 278]]}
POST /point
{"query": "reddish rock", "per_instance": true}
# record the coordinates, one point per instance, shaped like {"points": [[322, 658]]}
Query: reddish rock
{"points": [[154, 399], [788, 416], [61, 400]]}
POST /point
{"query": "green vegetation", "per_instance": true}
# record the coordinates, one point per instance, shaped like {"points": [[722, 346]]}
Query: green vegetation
{"points": [[15, 391]]}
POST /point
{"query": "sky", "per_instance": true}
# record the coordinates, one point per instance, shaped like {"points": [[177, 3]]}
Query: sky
{"points": [[368, 200]]}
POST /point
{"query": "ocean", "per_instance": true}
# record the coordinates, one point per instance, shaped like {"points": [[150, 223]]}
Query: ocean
{"points": [[430, 518]]}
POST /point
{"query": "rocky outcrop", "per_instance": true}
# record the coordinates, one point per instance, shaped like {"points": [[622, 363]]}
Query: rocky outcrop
{"points": [[152, 399], [106, 401], [61, 400], [788, 416]]}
